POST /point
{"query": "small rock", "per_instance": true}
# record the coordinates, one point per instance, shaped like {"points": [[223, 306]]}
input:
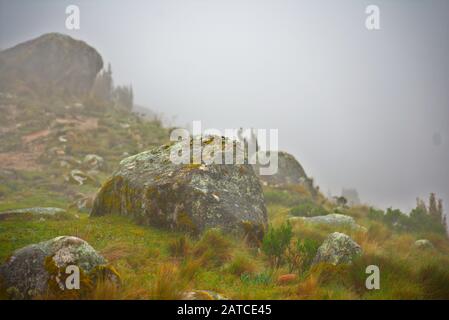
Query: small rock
{"points": [[83, 203], [338, 248], [93, 162], [203, 295], [424, 244], [81, 178]]}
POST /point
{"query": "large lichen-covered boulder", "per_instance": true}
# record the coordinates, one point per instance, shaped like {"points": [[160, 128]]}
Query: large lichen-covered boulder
{"points": [[338, 248], [39, 270], [155, 191]]}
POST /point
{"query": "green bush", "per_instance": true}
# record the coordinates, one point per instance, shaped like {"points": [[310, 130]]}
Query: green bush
{"points": [[308, 208], [417, 221], [300, 255], [275, 243]]}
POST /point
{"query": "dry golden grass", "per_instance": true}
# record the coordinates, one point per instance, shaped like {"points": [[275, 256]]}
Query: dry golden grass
{"points": [[168, 283]]}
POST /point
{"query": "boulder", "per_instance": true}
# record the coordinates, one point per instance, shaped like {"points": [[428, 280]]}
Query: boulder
{"points": [[289, 172], [50, 64], [40, 269], [191, 197], [338, 248], [333, 219], [35, 212]]}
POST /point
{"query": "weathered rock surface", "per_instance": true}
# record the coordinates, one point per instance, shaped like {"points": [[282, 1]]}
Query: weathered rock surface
{"points": [[338, 248], [39, 269], [289, 172], [190, 197], [37, 212], [50, 64], [334, 219]]}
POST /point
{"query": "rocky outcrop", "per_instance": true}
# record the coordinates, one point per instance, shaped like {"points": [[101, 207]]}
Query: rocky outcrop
{"points": [[192, 197], [289, 172], [52, 64], [338, 248], [334, 219], [40, 269]]}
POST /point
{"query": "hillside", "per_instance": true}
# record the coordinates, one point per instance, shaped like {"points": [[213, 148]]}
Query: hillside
{"points": [[66, 149]]}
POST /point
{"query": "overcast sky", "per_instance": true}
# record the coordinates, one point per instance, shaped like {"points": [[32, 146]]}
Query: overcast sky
{"points": [[359, 109]]}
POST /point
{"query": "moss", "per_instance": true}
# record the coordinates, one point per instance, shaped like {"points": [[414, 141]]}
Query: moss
{"points": [[192, 166], [105, 273], [57, 279], [107, 201]]}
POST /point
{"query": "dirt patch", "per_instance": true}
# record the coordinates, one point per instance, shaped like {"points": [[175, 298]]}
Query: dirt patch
{"points": [[81, 124], [20, 161], [35, 136]]}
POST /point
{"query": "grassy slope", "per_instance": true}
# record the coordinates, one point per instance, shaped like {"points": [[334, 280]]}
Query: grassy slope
{"points": [[144, 257], [156, 264]]}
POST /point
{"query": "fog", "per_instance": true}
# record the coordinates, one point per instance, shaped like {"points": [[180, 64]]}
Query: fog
{"points": [[358, 108]]}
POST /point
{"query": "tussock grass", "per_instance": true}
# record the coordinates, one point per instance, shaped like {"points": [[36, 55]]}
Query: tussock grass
{"points": [[158, 264]]}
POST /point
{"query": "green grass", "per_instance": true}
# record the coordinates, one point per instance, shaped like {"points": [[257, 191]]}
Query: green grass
{"points": [[158, 264]]}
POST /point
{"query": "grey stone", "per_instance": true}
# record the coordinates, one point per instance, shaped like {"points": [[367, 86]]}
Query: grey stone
{"points": [[191, 197], [29, 271], [338, 248]]}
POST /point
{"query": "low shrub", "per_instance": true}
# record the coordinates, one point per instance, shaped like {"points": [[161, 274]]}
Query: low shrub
{"points": [[300, 254], [275, 243]]}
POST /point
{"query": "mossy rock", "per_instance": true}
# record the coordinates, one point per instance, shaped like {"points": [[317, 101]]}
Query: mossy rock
{"points": [[338, 248], [39, 270], [154, 191]]}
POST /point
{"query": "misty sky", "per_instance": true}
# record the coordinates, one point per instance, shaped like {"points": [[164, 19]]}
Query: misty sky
{"points": [[360, 109]]}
